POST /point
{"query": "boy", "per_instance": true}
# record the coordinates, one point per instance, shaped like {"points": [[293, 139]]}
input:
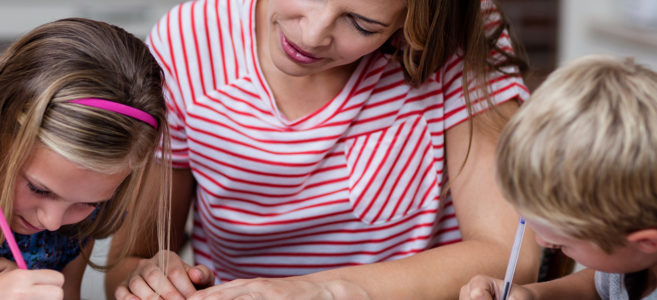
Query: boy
{"points": [[579, 162]]}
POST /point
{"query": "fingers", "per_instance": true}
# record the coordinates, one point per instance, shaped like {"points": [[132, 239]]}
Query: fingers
{"points": [[179, 279], [218, 292], [31, 284], [201, 276], [41, 292], [122, 293], [44, 277], [235, 290], [150, 280], [479, 288], [38, 277], [139, 288]]}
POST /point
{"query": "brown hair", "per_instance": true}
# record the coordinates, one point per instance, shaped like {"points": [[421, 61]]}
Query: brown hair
{"points": [[436, 30], [80, 58]]}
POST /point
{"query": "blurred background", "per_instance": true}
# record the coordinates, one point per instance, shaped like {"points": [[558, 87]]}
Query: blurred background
{"points": [[552, 32]]}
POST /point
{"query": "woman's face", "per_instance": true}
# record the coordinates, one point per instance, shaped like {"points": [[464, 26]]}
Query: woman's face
{"points": [[52, 191], [309, 36]]}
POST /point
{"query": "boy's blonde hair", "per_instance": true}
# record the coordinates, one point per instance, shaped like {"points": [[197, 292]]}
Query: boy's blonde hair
{"points": [[581, 154]]}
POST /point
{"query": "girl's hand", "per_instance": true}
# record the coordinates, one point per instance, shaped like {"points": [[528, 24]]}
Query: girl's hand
{"points": [[149, 279], [282, 288], [6, 265], [483, 287], [29, 284]]}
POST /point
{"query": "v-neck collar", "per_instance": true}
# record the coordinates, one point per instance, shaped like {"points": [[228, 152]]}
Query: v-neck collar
{"points": [[344, 98]]}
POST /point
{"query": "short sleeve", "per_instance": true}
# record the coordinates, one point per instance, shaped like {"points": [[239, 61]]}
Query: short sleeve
{"points": [[502, 86], [602, 284], [611, 286]]}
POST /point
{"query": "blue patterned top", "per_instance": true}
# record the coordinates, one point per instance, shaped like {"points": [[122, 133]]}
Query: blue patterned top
{"points": [[45, 249]]}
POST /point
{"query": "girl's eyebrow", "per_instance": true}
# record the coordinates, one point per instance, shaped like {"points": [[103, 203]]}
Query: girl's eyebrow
{"points": [[368, 20]]}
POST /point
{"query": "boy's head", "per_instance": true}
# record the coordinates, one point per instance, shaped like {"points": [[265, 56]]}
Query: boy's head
{"points": [[581, 154]]}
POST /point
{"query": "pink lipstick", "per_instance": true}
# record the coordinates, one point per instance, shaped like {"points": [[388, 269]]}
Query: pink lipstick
{"points": [[296, 54]]}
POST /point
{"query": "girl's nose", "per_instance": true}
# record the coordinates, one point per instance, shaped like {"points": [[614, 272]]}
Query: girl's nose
{"points": [[51, 217]]}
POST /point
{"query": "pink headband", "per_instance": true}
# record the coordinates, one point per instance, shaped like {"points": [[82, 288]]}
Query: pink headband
{"points": [[118, 108]]}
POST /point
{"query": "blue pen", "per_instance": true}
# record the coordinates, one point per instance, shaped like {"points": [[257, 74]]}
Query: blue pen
{"points": [[513, 259]]}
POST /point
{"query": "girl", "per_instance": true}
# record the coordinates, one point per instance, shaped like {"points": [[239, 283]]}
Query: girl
{"points": [[325, 142], [81, 115]]}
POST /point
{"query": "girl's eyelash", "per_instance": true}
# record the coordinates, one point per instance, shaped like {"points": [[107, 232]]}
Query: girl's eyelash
{"points": [[94, 204], [37, 191], [360, 29], [45, 193]]}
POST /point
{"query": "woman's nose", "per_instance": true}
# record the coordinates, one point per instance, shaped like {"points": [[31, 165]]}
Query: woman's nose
{"points": [[317, 30]]}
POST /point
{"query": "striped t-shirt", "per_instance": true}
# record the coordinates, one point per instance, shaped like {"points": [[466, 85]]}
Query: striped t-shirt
{"points": [[357, 181]]}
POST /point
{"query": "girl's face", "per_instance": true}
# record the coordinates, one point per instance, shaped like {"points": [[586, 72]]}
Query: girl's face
{"points": [[308, 36], [51, 191], [623, 259]]}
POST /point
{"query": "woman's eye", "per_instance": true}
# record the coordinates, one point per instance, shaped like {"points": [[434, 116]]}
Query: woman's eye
{"points": [[37, 190], [359, 28]]}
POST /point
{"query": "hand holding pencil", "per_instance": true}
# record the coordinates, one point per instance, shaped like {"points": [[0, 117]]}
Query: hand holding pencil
{"points": [[17, 282], [483, 287]]}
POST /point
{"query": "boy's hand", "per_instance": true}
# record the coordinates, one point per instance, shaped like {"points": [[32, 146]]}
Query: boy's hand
{"points": [[148, 280], [483, 287], [29, 284]]}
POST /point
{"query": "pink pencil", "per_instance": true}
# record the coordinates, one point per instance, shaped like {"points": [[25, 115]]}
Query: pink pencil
{"points": [[13, 246]]}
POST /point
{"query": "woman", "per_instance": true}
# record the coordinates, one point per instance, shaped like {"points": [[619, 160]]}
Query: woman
{"points": [[316, 137]]}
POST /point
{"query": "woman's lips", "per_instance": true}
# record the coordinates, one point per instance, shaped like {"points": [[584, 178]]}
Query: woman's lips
{"points": [[295, 53]]}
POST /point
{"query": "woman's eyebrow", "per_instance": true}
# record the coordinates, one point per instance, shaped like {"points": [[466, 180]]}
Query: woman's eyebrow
{"points": [[368, 20]]}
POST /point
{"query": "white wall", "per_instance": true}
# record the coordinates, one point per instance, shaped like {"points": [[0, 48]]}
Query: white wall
{"points": [[618, 27], [136, 16]]}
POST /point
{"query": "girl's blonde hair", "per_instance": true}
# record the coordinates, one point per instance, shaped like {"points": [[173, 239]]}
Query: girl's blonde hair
{"points": [[80, 58], [581, 154]]}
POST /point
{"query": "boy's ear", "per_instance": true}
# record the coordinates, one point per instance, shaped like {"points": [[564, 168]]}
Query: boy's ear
{"points": [[644, 239]]}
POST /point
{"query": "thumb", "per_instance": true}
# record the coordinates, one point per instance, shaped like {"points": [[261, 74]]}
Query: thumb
{"points": [[481, 294], [201, 276]]}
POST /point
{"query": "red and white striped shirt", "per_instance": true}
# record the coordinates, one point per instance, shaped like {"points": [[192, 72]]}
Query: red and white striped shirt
{"points": [[356, 182]]}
